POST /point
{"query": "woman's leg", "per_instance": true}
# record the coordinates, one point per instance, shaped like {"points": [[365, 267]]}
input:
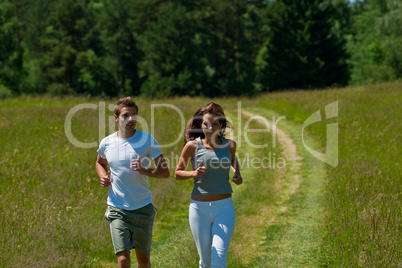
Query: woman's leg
{"points": [[200, 223], [222, 231]]}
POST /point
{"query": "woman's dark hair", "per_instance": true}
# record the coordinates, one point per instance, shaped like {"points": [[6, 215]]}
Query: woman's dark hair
{"points": [[193, 130]]}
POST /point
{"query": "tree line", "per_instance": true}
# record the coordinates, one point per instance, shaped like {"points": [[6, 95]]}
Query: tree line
{"points": [[162, 48]]}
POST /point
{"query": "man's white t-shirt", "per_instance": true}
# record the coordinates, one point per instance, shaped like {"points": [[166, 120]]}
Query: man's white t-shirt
{"points": [[129, 189]]}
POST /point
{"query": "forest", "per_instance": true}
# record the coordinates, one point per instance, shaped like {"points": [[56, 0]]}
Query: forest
{"points": [[165, 48]]}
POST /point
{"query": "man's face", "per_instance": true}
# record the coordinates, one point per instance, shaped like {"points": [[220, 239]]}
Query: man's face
{"points": [[127, 119]]}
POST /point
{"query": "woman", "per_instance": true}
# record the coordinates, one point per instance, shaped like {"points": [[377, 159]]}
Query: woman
{"points": [[211, 214]]}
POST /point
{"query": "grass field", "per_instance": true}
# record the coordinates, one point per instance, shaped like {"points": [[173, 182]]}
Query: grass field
{"points": [[363, 197], [52, 205]]}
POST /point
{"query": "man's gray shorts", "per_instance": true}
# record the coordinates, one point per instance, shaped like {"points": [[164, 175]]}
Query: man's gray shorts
{"points": [[131, 228]]}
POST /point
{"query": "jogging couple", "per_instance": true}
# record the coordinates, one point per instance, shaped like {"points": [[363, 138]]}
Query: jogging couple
{"points": [[130, 211]]}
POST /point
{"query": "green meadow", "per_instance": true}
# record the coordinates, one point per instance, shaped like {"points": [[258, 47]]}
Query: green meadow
{"points": [[292, 209]]}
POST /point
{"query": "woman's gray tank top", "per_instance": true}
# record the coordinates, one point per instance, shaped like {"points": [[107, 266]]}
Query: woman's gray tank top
{"points": [[217, 166]]}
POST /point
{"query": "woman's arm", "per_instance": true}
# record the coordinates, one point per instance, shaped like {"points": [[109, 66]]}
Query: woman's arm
{"points": [[186, 155], [235, 165]]}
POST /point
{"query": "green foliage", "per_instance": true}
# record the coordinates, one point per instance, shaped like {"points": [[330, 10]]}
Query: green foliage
{"points": [[11, 51], [363, 201], [166, 43], [4, 92], [376, 47], [120, 24], [198, 48], [153, 48], [303, 50]]}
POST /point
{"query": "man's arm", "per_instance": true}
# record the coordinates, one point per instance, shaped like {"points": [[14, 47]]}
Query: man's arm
{"points": [[103, 173], [161, 170]]}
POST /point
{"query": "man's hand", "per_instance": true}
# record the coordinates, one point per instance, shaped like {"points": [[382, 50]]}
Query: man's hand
{"points": [[137, 165], [106, 180]]}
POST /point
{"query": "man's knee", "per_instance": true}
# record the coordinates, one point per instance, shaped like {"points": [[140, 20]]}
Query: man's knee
{"points": [[144, 262], [123, 258], [143, 259]]}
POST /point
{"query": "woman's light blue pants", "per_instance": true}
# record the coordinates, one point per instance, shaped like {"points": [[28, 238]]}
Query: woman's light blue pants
{"points": [[212, 224]]}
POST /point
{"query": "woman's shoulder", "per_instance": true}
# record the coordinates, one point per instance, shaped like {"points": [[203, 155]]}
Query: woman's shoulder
{"points": [[191, 144], [229, 141], [192, 141], [231, 144], [190, 148]]}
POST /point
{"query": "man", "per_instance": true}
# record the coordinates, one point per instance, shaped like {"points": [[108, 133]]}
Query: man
{"points": [[130, 211]]}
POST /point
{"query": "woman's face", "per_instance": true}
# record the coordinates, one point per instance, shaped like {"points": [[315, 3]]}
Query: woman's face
{"points": [[210, 125]]}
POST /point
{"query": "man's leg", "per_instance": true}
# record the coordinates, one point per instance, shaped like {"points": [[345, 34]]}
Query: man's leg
{"points": [[123, 259], [143, 222], [143, 259], [121, 234]]}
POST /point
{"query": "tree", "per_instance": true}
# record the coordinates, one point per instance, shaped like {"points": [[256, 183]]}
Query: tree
{"points": [[120, 25], [166, 41], [199, 48], [303, 49], [11, 50], [377, 43], [390, 25], [235, 39]]}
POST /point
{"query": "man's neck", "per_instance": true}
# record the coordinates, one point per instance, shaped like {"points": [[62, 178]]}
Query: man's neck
{"points": [[125, 135]]}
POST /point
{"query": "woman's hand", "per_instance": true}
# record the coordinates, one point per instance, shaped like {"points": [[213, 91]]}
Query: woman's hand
{"points": [[237, 179], [199, 172]]}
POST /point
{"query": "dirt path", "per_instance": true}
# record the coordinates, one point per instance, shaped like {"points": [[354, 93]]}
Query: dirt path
{"points": [[285, 232], [289, 152]]}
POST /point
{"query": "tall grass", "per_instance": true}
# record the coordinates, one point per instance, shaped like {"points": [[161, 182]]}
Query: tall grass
{"points": [[363, 195], [51, 200], [255, 199], [52, 204]]}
